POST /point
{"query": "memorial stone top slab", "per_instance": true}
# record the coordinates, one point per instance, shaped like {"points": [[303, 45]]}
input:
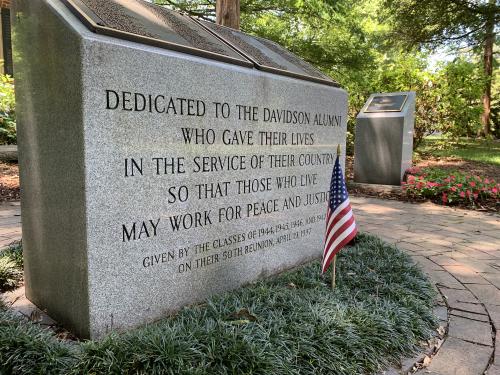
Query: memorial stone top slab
{"points": [[143, 22], [267, 55]]}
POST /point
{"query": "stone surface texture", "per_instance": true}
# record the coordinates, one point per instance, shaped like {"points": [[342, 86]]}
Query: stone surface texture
{"points": [[384, 143], [76, 198], [51, 158], [458, 357], [10, 223]]}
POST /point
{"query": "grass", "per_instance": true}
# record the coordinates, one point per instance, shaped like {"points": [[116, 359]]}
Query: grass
{"points": [[292, 323], [485, 151]]}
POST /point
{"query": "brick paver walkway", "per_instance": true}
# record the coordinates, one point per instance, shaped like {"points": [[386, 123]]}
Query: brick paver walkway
{"points": [[10, 223], [458, 249]]}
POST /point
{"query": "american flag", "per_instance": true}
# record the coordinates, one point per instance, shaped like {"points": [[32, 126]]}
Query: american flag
{"points": [[340, 224]]}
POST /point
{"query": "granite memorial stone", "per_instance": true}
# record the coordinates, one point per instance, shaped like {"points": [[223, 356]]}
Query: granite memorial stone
{"points": [[162, 160], [384, 138]]}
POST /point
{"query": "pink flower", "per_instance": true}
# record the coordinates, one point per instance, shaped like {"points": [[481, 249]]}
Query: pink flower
{"points": [[486, 181], [460, 185], [494, 190], [472, 184], [444, 198], [413, 170], [411, 178], [475, 195], [453, 188], [462, 194]]}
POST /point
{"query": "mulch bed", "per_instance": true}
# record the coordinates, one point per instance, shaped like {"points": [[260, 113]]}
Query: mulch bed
{"points": [[448, 163], [9, 182]]}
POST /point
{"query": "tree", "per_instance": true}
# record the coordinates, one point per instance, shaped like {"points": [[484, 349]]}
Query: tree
{"points": [[456, 23], [227, 13], [330, 34]]}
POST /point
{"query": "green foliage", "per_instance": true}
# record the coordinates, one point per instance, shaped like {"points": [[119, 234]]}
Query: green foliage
{"points": [[450, 187], [440, 22], [10, 274], [7, 111], [354, 42], [11, 267], [458, 24], [459, 87], [15, 253], [289, 324]]}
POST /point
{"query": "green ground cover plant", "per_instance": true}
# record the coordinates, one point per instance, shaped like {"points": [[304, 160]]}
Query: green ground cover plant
{"points": [[293, 323], [450, 187]]}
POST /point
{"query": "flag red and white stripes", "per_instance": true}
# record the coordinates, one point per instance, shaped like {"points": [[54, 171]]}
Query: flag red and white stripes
{"points": [[340, 223]]}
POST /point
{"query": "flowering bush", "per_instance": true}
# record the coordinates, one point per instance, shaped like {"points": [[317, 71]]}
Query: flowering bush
{"points": [[449, 187]]}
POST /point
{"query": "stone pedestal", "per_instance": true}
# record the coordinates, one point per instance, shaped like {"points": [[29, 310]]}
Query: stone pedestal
{"points": [[384, 138], [154, 178]]}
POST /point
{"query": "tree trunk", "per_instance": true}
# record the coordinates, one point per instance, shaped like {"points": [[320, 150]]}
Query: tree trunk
{"points": [[488, 70], [228, 13]]}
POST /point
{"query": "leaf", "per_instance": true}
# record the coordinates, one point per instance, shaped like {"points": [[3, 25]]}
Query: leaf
{"points": [[243, 313], [441, 330], [239, 322], [426, 362]]}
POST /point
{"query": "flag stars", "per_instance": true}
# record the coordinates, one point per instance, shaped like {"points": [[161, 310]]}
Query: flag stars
{"points": [[338, 192]]}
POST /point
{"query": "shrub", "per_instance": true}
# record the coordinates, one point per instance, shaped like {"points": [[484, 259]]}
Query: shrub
{"points": [[14, 252], [7, 111], [11, 267], [449, 187], [10, 275]]}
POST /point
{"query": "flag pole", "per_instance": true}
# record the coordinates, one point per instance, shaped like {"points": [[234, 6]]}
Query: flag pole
{"points": [[334, 273], [334, 270]]}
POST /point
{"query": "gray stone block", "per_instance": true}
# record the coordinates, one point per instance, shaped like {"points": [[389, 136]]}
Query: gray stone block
{"points": [[384, 142], [107, 250], [470, 330]]}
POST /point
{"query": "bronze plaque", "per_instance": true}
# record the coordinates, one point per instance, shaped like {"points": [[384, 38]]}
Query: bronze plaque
{"points": [[386, 103], [268, 55], [143, 22]]}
